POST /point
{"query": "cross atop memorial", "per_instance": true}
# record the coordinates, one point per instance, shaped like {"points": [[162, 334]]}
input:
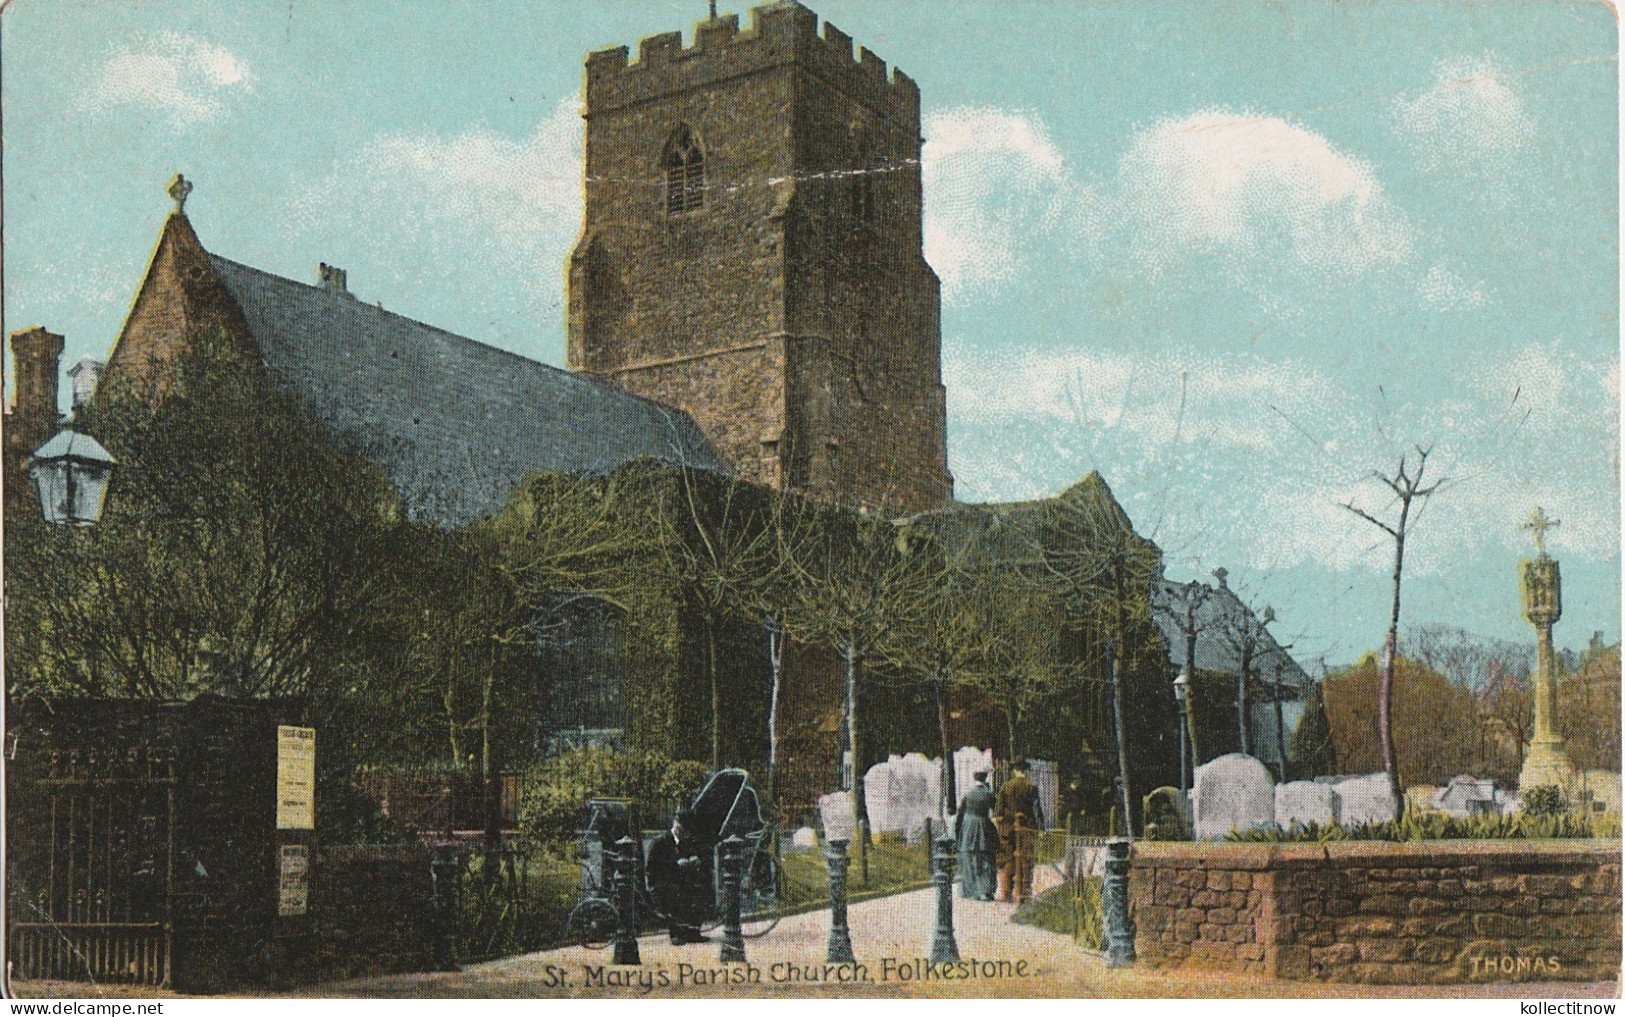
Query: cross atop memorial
{"points": [[1539, 522]]}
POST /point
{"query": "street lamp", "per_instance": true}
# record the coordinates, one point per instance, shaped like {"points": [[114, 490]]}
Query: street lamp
{"points": [[71, 471], [1182, 689]]}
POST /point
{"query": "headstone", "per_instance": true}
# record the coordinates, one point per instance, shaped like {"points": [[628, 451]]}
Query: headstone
{"points": [[1603, 790], [1305, 803], [1048, 781], [967, 762], [1233, 793], [1467, 796], [803, 837], [902, 793], [1421, 799], [1165, 810], [1367, 799]]}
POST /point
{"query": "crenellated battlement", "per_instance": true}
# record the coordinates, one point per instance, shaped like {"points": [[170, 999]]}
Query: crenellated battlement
{"points": [[780, 33]]}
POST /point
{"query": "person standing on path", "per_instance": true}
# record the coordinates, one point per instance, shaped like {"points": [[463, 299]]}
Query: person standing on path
{"points": [[1020, 819], [978, 841]]}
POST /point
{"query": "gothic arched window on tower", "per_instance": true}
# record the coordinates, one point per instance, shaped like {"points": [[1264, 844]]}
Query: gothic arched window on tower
{"points": [[684, 163]]}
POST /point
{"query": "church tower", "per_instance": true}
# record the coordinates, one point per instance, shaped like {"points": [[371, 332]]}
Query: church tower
{"points": [[752, 253]]}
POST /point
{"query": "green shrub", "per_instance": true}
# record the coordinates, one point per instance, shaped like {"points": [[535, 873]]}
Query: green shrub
{"points": [[1438, 826], [553, 799], [1546, 800]]}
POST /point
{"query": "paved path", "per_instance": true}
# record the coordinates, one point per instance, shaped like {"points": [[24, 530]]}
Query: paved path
{"points": [[891, 938]]}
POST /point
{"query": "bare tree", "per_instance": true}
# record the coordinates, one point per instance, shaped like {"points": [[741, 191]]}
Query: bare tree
{"points": [[853, 582], [1102, 572], [716, 547], [1246, 633], [1409, 491], [1185, 611]]}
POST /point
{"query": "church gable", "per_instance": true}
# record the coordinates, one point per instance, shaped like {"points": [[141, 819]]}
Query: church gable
{"points": [[179, 299], [455, 423]]}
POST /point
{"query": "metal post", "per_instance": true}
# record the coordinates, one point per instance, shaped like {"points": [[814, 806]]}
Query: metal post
{"points": [[1114, 901], [733, 939], [443, 878], [626, 928], [943, 948], [840, 937], [1184, 759]]}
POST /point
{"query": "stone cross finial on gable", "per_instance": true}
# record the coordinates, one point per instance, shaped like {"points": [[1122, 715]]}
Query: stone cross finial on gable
{"points": [[179, 187], [1539, 522]]}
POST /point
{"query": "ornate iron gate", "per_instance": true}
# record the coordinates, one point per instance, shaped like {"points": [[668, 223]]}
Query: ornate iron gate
{"points": [[94, 898]]}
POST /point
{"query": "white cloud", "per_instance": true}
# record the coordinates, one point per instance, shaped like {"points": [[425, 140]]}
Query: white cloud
{"points": [[179, 76], [1470, 119], [1171, 431], [991, 176], [1263, 195], [1254, 188], [1176, 395], [1444, 290], [477, 211]]}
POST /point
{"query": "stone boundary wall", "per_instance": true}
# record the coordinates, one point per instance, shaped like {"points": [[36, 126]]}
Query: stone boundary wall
{"points": [[1382, 913], [372, 912]]}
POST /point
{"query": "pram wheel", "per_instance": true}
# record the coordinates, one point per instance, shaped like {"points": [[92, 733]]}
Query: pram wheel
{"points": [[592, 923], [761, 895]]}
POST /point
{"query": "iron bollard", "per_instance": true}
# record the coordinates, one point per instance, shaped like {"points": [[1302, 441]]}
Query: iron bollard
{"points": [[943, 948], [443, 902], [733, 939], [840, 937], [1114, 901], [626, 926]]}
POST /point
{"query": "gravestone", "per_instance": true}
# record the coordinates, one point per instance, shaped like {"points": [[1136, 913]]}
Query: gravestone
{"points": [[969, 761], [1048, 781], [902, 793], [1306, 803], [1233, 792], [1467, 796], [1165, 815], [1367, 799]]}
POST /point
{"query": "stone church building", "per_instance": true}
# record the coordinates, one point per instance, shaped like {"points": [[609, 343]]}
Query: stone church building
{"points": [[748, 296], [752, 253]]}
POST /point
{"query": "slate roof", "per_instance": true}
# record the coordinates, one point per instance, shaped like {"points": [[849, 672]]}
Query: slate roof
{"points": [[456, 423], [1213, 651]]}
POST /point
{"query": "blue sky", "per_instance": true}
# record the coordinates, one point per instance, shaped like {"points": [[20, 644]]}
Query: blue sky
{"points": [[1235, 256]]}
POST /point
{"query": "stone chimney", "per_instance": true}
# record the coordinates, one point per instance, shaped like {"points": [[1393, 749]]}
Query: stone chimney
{"points": [[37, 357], [85, 374], [333, 278]]}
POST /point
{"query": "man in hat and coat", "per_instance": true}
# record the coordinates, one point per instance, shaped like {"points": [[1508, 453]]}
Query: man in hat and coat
{"points": [[978, 841], [679, 879], [1020, 817]]}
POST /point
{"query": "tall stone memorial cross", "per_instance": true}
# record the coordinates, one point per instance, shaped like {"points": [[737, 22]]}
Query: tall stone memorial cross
{"points": [[1547, 763]]}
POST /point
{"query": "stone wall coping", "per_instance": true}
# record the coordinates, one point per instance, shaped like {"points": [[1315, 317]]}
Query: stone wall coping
{"points": [[1261, 857]]}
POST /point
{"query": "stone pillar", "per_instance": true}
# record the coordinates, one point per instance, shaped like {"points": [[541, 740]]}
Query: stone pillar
{"points": [[1547, 763]]}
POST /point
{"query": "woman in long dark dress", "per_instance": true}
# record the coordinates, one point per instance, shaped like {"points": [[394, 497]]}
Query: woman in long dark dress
{"points": [[978, 841]]}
